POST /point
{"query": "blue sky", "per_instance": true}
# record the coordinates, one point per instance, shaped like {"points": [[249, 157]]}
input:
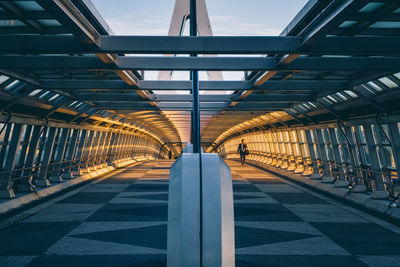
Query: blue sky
{"points": [[228, 17]]}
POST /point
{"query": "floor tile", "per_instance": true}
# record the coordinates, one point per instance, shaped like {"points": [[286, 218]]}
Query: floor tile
{"points": [[297, 261], [264, 212], [362, 238], [296, 198], [65, 213], [32, 238], [93, 198], [277, 188], [323, 213], [131, 212], [152, 260]]}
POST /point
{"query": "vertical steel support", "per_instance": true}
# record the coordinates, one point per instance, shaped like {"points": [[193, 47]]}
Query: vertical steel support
{"points": [[110, 147], [313, 154], [48, 152], [5, 143], [102, 146], [95, 149], [30, 157], [341, 181], [88, 149], [80, 151], [69, 155], [59, 157], [19, 175], [6, 186], [195, 84], [25, 145], [327, 177], [380, 191], [359, 186], [115, 147], [395, 138]]}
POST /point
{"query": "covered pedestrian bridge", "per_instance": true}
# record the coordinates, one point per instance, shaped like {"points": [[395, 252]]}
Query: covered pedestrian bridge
{"points": [[87, 141]]}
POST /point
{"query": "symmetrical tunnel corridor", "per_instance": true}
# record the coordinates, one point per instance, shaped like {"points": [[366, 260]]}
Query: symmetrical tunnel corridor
{"points": [[120, 149]]}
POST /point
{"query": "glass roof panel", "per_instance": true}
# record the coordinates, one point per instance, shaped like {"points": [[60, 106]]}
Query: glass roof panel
{"points": [[49, 22], [386, 25], [347, 24], [53, 97], [13, 22], [340, 96], [351, 93], [3, 78], [374, 86], [389, 83], [8, 87], [35, 92], [28, 5], [371, 7]]}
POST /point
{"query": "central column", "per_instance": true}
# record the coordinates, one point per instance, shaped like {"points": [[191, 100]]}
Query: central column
{"points": [[194, 74]]}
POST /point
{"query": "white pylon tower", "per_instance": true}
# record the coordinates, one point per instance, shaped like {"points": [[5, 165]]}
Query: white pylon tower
{"points": [[180, 16]]}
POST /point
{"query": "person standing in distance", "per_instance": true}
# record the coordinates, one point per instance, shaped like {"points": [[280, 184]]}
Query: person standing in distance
{"points": [[243, 151]]}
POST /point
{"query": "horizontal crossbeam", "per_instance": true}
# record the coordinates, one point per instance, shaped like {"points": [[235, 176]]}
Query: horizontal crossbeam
{"points": [[272, 85], [60, 44], [201, 63], [125, 97]]}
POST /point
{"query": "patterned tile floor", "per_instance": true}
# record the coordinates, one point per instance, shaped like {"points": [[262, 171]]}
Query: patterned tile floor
{"points": [[122, 221]]}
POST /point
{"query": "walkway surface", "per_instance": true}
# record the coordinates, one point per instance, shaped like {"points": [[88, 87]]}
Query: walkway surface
{"points": [[122, 221]]}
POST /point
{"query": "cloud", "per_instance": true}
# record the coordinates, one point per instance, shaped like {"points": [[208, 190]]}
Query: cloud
{"points": [[230, 25], [133, 23]]}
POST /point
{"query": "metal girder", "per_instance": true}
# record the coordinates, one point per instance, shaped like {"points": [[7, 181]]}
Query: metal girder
{"points": [[330, 18], [200, 63], [272, 85], [156, 98], [70, 17], [124, 97], [60, 44]]}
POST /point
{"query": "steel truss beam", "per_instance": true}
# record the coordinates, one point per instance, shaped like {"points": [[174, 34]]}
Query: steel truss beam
{"points": [[124, 97], [201, 63], [59, 44], [273, 85]]}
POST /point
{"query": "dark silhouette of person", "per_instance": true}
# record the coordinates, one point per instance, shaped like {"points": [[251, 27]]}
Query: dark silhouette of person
{"points": [[242, 150]]}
